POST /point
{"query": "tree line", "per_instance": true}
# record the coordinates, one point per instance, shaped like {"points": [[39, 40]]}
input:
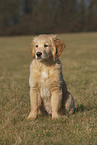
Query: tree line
{"points": [[24, 17]]}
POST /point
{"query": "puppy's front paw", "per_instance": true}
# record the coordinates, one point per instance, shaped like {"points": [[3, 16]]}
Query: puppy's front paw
{"points": [[32, 116], [55, 116]]}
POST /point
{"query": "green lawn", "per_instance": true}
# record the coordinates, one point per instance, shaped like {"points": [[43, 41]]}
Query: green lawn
{"points": [[79, 61]]}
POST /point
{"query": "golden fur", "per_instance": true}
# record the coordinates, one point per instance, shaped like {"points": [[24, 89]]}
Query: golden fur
{"points": [[48, 91]]}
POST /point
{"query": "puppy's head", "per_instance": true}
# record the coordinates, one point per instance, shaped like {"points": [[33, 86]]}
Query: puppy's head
{"points": [[44, 47]]}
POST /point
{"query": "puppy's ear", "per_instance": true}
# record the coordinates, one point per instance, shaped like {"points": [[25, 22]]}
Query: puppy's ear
{"points": [[32, 50], [58, 46]]}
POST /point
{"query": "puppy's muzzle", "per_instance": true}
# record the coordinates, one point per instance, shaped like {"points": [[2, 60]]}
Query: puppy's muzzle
{"points": [[38, 54]]}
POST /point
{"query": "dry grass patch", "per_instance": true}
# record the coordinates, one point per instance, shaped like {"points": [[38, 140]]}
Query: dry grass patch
{"points": [[79, 61]]}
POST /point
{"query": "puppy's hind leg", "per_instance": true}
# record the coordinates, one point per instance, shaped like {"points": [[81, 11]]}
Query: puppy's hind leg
{"points": [[69, 103]]}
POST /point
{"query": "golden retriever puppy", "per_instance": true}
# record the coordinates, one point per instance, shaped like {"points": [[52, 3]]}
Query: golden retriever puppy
{"points": [[48, 90]]}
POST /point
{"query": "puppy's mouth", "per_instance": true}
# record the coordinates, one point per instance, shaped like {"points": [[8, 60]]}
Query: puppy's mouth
{"points": [[40, 57]]}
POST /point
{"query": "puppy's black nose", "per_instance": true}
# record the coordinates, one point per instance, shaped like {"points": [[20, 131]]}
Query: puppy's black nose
{"points": [[38, 54]]}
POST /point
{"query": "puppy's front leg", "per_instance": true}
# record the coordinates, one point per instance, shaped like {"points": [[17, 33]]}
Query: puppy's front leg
{"points": [[56, 100], [34, 103]]}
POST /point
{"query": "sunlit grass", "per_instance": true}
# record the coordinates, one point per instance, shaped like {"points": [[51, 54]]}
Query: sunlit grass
{"points": [[79, 61]]}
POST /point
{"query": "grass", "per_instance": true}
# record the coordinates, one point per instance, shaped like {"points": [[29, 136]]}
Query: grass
{"points": [[79, 61]]}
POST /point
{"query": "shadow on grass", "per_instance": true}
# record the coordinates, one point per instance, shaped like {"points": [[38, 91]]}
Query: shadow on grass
{"points": [[83, 108]]}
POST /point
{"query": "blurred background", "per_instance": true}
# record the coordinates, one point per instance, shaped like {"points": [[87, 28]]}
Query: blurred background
{"points": [[25, 17]]}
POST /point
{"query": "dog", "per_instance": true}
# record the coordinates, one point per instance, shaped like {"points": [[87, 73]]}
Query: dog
{"points": [[48, 90]]}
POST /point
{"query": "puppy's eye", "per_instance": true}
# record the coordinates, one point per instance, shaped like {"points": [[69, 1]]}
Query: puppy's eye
{"points": [[36, 45], [45, 45]]}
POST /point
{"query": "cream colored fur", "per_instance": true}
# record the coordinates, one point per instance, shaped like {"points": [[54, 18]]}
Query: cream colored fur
{"points": [[48, 91]]}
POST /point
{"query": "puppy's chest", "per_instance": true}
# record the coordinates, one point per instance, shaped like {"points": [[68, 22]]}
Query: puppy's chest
{"points": [[45, 75], [45, 84]]}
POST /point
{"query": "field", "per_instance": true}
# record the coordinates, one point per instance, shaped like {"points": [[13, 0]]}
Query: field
{"points": [[79, 61]]}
